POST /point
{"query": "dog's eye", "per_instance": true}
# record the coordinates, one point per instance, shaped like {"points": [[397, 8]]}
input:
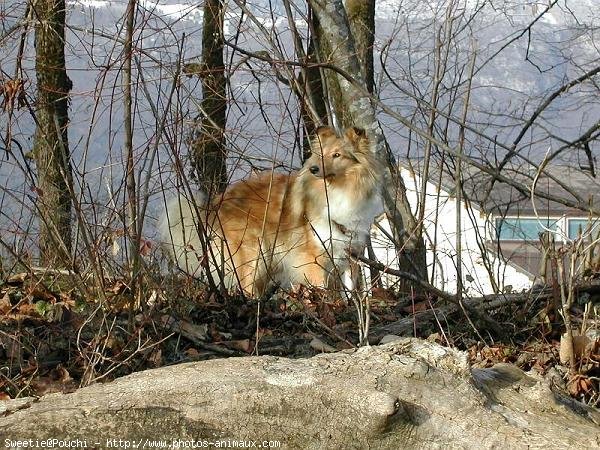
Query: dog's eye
{"points": [[336, 155]]}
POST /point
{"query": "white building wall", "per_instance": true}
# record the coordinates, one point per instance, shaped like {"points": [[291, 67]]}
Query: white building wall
{"points": [[440, 240]]}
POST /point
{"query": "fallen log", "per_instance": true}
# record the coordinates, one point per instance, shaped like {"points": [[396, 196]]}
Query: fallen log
{"points": [[406, 394]]}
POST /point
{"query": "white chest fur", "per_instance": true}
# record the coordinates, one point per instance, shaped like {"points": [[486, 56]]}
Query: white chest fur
{"points": [[346, 220]]}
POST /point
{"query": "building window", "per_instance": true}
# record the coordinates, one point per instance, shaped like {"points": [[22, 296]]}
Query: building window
{"points": [[519, 229], [577, 226]]}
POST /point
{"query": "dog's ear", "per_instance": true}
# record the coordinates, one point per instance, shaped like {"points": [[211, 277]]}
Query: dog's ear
{"points": [[358, 137], [322, 136], [325, 133], [355, 133]]}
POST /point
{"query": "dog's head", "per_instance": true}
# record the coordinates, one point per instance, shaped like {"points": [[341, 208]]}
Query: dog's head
{"points": [[333, 156]]}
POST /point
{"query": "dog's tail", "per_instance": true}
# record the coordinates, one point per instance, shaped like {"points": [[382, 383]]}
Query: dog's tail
{"points": [[180, 227]]}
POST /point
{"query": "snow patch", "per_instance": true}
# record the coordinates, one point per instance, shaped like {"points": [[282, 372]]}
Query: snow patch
{"points": [[176, 11], [93, 3]]}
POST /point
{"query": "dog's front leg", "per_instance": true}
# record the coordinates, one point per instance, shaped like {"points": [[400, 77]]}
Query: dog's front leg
{"points": [[314, 275]]}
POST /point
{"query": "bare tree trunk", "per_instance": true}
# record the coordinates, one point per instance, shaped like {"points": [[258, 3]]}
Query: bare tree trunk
{"points": [[208, 145], [335, 33], [361, 16], [51, 149], [130, 181], [312, 84], [332, 92], [309, 89]]}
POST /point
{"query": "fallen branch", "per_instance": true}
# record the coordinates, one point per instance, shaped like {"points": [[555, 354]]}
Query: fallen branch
{"points": [[407, 276], [405, 326], [196, 334]]}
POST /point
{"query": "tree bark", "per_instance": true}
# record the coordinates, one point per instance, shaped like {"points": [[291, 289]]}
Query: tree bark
{"points": [[361, 17], [332, 92], [208, 153], [355, 99], [51, 148], [406, 394], [313, 92], [130, 180]]}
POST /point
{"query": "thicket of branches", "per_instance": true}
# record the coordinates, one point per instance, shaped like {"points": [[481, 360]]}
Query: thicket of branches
{"points": [[145, 109]]}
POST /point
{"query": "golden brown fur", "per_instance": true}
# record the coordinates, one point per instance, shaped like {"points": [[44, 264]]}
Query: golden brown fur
{"points": [[286, 229]]}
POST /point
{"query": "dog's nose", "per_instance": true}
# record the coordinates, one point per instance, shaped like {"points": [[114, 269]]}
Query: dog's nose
{"points": [[314, 170]]}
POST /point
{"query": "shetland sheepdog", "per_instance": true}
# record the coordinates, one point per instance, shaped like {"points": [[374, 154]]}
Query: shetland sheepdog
{"points": [[284, 229]]}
